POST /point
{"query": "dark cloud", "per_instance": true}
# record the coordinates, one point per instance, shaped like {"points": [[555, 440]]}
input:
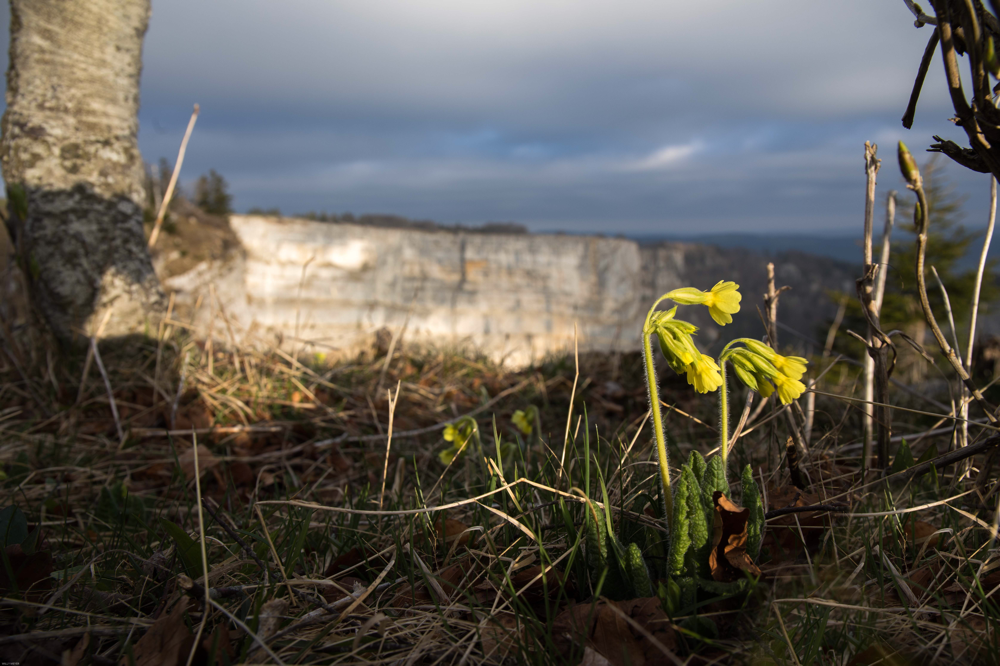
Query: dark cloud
{"points": [[584, 115]]}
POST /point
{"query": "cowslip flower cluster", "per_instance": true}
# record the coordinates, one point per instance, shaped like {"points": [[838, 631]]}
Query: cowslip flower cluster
{"points": [[677, 346], [459, 434], [764, 370]]}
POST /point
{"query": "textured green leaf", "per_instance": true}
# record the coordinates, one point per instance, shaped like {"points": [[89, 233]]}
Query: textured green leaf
{"points": [[697, 465], [714, 479], [637, 573], [752, 501], [698, 528], [597, 544], [680, 537]]}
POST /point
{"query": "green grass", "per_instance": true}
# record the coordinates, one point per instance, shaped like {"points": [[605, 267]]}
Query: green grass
{"points": [[299, 442]]}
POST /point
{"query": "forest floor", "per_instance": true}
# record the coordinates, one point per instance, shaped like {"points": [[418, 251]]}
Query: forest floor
{"points": [[326, 541]]}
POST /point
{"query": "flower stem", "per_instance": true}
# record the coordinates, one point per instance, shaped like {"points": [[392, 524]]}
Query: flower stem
{"points": [[724, 419], [661, 445]]}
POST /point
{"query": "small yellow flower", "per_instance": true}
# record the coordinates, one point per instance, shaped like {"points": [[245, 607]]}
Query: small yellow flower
{"points": [[792, 367], [448, 455], [450, 433], [723, 302], [788, 389], [703, 374], [764, 387], [522, 421]]}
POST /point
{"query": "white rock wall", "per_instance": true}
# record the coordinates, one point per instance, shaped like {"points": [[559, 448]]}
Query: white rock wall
{"points": [[514, 296]]}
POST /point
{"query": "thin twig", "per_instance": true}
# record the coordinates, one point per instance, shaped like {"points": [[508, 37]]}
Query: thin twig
{"points": [[388, 443], [173, 179]]}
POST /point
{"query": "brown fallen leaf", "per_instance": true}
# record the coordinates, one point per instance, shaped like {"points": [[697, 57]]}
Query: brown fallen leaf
{"points": [[605, 630], [972, 639], [271, 615], [452, 530], [500, 635], [878, 654], [167, 643], [728, 560], [534, 591], [73, 657], [782, 538], [206, 461], [346, 560], [223, 644], [31, 572], [455, 578], [242, 474]]}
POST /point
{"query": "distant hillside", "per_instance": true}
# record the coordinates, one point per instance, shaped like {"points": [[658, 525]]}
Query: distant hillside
{"points": [[845, 248]]}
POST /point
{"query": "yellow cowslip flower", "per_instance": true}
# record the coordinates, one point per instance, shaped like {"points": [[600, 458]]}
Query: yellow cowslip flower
{"points": [[788, 389], [450, 433], [792, 367], [522, 421], [764, 387], [723, 302], [676, 344], [448, 455], [703, 374]]}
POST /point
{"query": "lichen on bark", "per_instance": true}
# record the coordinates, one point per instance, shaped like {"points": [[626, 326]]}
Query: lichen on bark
{"points": [[69, 139]]}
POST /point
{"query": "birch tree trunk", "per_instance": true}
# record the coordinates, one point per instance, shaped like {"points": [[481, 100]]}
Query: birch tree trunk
{"points": [[71, 161]]}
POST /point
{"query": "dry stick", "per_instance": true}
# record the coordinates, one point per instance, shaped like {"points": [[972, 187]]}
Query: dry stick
{"points": [[388, 444], [173, 179], [107, 382], [918, 83], [572, 397], [204, 552], [831, 335], [878, 345], [975, 302], [923, 221]]}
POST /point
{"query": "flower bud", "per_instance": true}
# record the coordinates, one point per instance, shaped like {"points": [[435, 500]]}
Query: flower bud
{"points": [[908, 165]]}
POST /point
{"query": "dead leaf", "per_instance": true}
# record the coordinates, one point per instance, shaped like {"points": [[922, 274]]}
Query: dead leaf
{"points": [[534, 594], [454, 578], [73, 657], [167, 643], [206, 461], [605, 631], [593, 658], [499, 635], [450, 530], [878, 655], [242, 473], [31, 572], [728, 560], [271, 615], [782, 538], [332, 593], [222, 642], [970, 637]]}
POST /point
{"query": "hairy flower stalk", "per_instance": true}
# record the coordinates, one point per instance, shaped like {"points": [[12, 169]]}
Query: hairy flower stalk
{"points": [[677, 346]]}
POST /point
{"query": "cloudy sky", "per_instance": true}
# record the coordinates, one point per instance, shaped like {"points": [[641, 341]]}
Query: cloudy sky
{"points": [[635, 116]]}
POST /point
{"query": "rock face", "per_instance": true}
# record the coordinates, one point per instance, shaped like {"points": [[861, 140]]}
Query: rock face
{"points": [[515, 297]]}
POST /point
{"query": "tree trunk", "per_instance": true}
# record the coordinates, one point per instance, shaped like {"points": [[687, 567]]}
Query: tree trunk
{"points": [[71, 161]]}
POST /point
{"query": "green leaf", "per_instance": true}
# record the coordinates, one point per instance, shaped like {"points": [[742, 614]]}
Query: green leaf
{"points": [[13, 526], [903, 460], [187, 548], [637, 573], [697, 555], [597, 544], [697, 465], [752, 501], [680, 537], [714, 479]]}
